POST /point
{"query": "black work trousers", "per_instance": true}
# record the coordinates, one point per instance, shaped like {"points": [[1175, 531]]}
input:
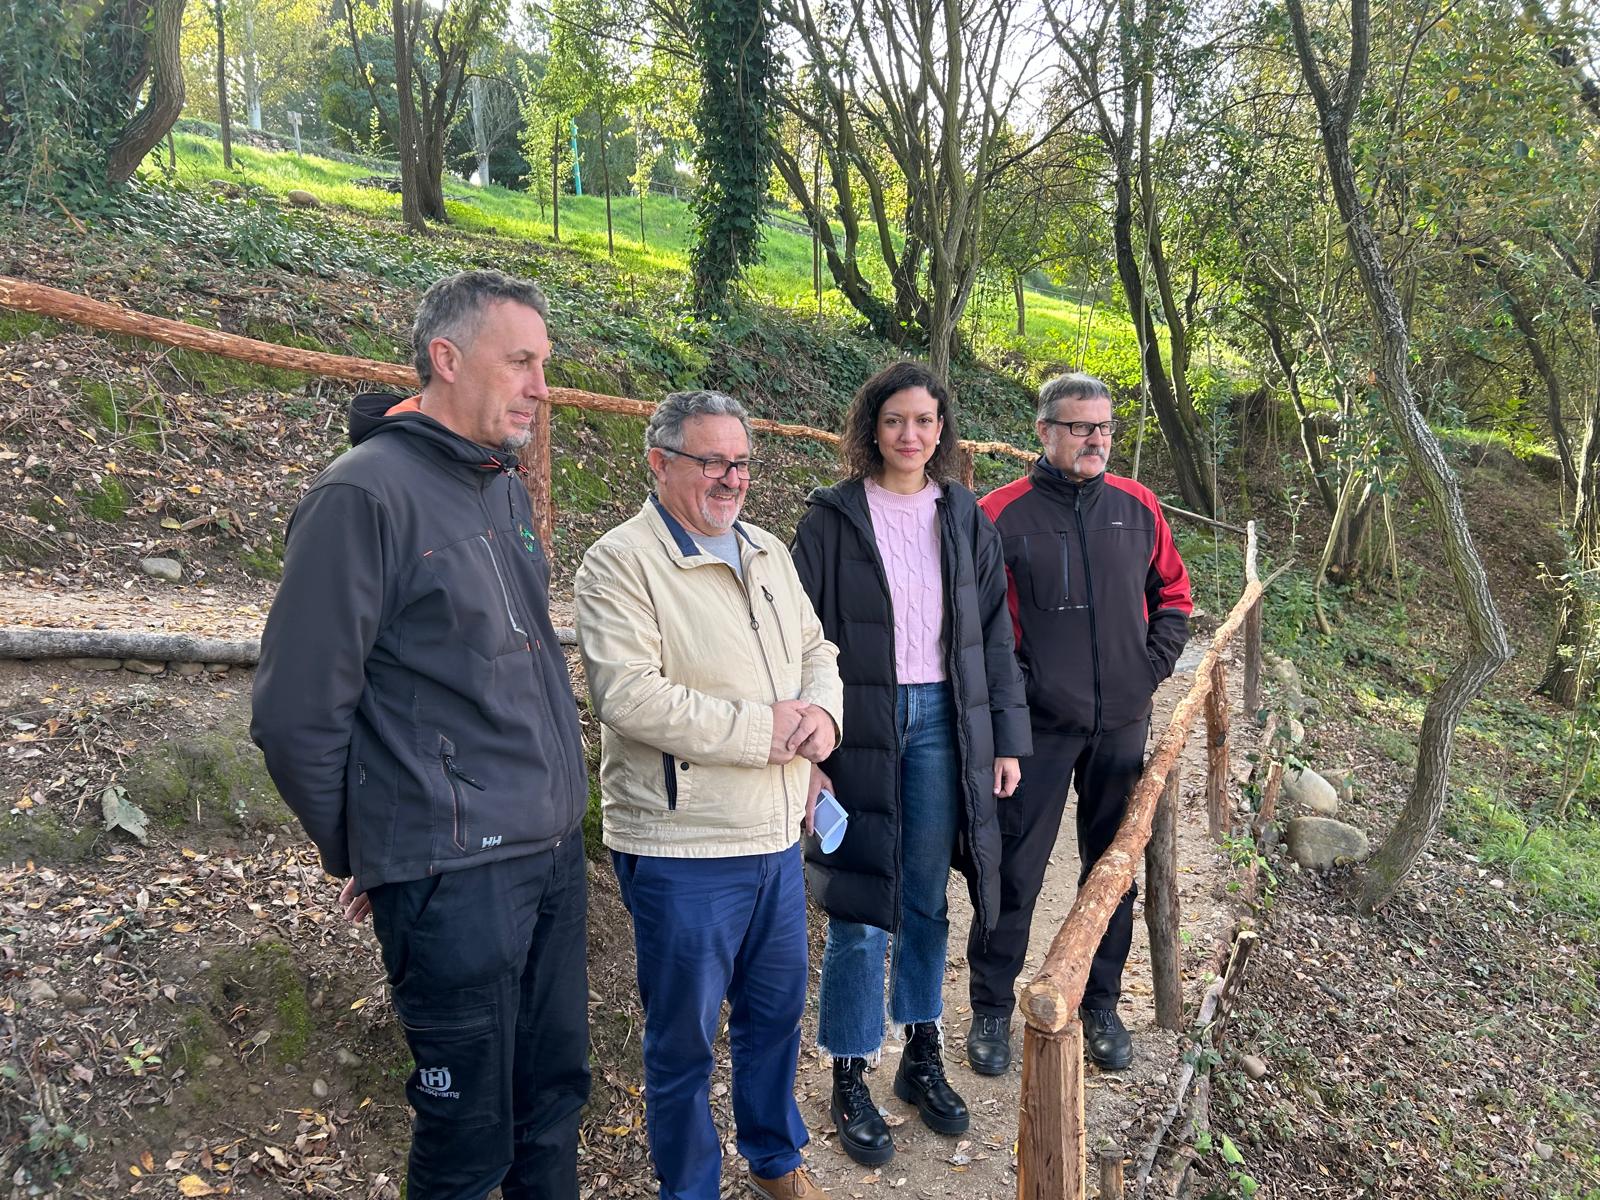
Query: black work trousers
{"points": [[1103, 769], [489, 973]]}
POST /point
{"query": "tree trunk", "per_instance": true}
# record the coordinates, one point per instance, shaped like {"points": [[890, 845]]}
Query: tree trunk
{"points": [[250, 66], [1022, 304], [1188, 459], [1573, 625], [605, 180], [223, 121], [151, 123], [480, 131], [1489, 647], [555, 180], [407, 14]]}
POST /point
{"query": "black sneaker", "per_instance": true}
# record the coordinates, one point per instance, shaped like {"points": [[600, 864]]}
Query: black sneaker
{"points": [[862, 1130], [989, 1045], [1106, 1040]]}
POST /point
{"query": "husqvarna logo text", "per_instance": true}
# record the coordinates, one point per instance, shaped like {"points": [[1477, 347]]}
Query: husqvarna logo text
{"points": [[435, 1081]]}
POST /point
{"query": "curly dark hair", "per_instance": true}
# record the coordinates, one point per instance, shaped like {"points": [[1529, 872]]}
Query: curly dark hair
{"points": [[858, 445]]}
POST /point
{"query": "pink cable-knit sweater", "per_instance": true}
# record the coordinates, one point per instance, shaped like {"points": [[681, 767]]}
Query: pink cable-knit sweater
{"points": [[907, 532]]}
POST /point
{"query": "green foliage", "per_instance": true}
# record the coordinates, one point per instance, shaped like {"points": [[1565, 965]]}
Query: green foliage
{"points": [[737, 122]]}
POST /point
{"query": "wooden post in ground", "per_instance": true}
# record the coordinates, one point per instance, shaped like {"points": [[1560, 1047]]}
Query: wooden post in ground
{"points": [[1161, 905], [537, 461], [1051, 1135], [1111, 1185], [1217, 752], [1252, 661]]}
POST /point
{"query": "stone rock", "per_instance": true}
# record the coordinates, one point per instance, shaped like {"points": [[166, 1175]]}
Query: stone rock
{"points": [[1311, 791], [1544, 1150], [347, 1057], [95, 664], [140, 667], [218, 668], [39, 991], [75, 1000], [169, 569], [319, 1089], [255, 1089], [1322, 842], [1297, 730], [1253, 1066], [186, 668], [301, 198], [1347, 788], [225, 187], [1284, 673], [211, 1061]]}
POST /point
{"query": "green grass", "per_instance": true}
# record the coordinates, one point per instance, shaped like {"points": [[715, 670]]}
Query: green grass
{"points": [[1056, 325]]}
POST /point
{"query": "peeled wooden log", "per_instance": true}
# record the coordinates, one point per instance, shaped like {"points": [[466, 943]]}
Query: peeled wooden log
{"points": [[20, 641], [1051, 1000], [1051, 1134]]}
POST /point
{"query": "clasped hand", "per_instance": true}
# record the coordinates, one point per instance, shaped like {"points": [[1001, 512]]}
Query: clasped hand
{"points": [[801, 730]]}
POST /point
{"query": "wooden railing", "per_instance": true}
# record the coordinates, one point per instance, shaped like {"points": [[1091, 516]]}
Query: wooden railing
{"points": [[1052, 1135]]}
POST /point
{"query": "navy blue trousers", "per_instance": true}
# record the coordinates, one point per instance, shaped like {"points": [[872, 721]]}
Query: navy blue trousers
{"points": [[705, 929], [488, 967]]}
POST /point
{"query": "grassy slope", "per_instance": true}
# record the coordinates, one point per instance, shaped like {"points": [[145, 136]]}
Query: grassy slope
{"points": [[1055, 326]]}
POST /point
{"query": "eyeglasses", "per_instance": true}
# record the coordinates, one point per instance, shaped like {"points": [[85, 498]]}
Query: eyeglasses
{"points": [[1084, 428], [717, 467]]}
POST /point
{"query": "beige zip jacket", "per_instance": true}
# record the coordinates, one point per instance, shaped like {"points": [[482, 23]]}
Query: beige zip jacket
{"points": [[685, 661]]}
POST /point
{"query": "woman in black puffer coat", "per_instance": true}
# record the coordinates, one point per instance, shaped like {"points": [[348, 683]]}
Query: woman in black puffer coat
{"points": [[906, 574]]}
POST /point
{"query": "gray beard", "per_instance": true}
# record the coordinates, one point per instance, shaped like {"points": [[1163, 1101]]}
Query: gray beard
{"points": [[516, 442]]}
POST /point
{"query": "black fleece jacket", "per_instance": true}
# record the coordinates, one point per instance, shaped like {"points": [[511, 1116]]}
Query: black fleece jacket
{"points": [[412, 703], [1099, 597]]}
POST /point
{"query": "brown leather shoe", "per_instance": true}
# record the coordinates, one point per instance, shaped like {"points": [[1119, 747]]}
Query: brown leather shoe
{"points": [[796, 1185]]}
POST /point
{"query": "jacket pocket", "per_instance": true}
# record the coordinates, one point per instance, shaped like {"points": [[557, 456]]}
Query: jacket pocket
{"points": [[478, 593], [456, 779], [1040, 565], [669, 773]]}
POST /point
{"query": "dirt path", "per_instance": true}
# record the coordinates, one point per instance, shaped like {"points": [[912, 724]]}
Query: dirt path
{"points": [[979, 1166]]}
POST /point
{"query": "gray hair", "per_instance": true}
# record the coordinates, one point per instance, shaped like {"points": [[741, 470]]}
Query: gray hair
{"points": [[1075, 385], [665, 428], [453, 307]]}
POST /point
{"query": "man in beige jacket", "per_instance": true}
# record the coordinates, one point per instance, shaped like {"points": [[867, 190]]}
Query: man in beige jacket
{"points": [[716, 691]]}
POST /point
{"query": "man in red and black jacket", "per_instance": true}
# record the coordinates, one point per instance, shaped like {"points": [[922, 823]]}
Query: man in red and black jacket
{"points": [[1100, 601]]}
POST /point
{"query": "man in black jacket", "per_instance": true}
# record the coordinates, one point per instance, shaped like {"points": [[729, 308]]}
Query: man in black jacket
{"points": [[416, 713], [1100, 602]]}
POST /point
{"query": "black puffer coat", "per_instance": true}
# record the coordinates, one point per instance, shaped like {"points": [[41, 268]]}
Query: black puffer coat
{"points": [[837, 557]]}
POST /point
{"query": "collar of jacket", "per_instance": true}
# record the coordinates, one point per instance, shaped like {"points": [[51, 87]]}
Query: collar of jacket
{"points": [[372, 415], [850, 498], [681, 540], [1051, 479]]}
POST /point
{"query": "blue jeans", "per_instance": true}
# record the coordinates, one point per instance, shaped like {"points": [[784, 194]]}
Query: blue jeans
{"points": [[705, 928], [851, 1023]]}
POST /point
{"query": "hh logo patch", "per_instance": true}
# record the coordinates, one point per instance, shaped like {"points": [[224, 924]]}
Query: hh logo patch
{"points": [[492, 841], [435, 1081], [530, 543]]}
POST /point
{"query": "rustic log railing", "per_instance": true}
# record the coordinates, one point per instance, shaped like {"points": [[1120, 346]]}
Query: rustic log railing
{"points": [[24, 296], [1052, 1135]]}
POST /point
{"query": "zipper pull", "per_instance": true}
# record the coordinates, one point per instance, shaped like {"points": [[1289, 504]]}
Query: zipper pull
{"points": [[450, 765], [767, 594]]}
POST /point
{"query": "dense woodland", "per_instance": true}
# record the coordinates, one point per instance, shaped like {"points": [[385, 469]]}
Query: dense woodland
{"points": [[1341, 263]]}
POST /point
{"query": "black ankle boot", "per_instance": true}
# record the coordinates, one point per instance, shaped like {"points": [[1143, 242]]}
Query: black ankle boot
{"points": [[862, 1132], [921, 1081]]}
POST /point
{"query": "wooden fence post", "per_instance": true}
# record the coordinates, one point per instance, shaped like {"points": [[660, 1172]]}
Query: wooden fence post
{"points": [[1051, 1136], [539, 477], [1252, 661], [1111, 1184], [1161, 905], [1217, 752]]}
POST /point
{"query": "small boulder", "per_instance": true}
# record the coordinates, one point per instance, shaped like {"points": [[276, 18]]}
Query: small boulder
{"points": [[40, 992], [301, 198], [1322, 842], [95, 664], [1544, 1150], [1297, 731], [1254, 1067], [187, 668], [217, 668], [169, 569], [1311, 791], [140, 666], [225, 187]]}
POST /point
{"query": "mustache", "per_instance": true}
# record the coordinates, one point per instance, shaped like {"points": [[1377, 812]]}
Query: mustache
{"points": [[722, 493]]}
